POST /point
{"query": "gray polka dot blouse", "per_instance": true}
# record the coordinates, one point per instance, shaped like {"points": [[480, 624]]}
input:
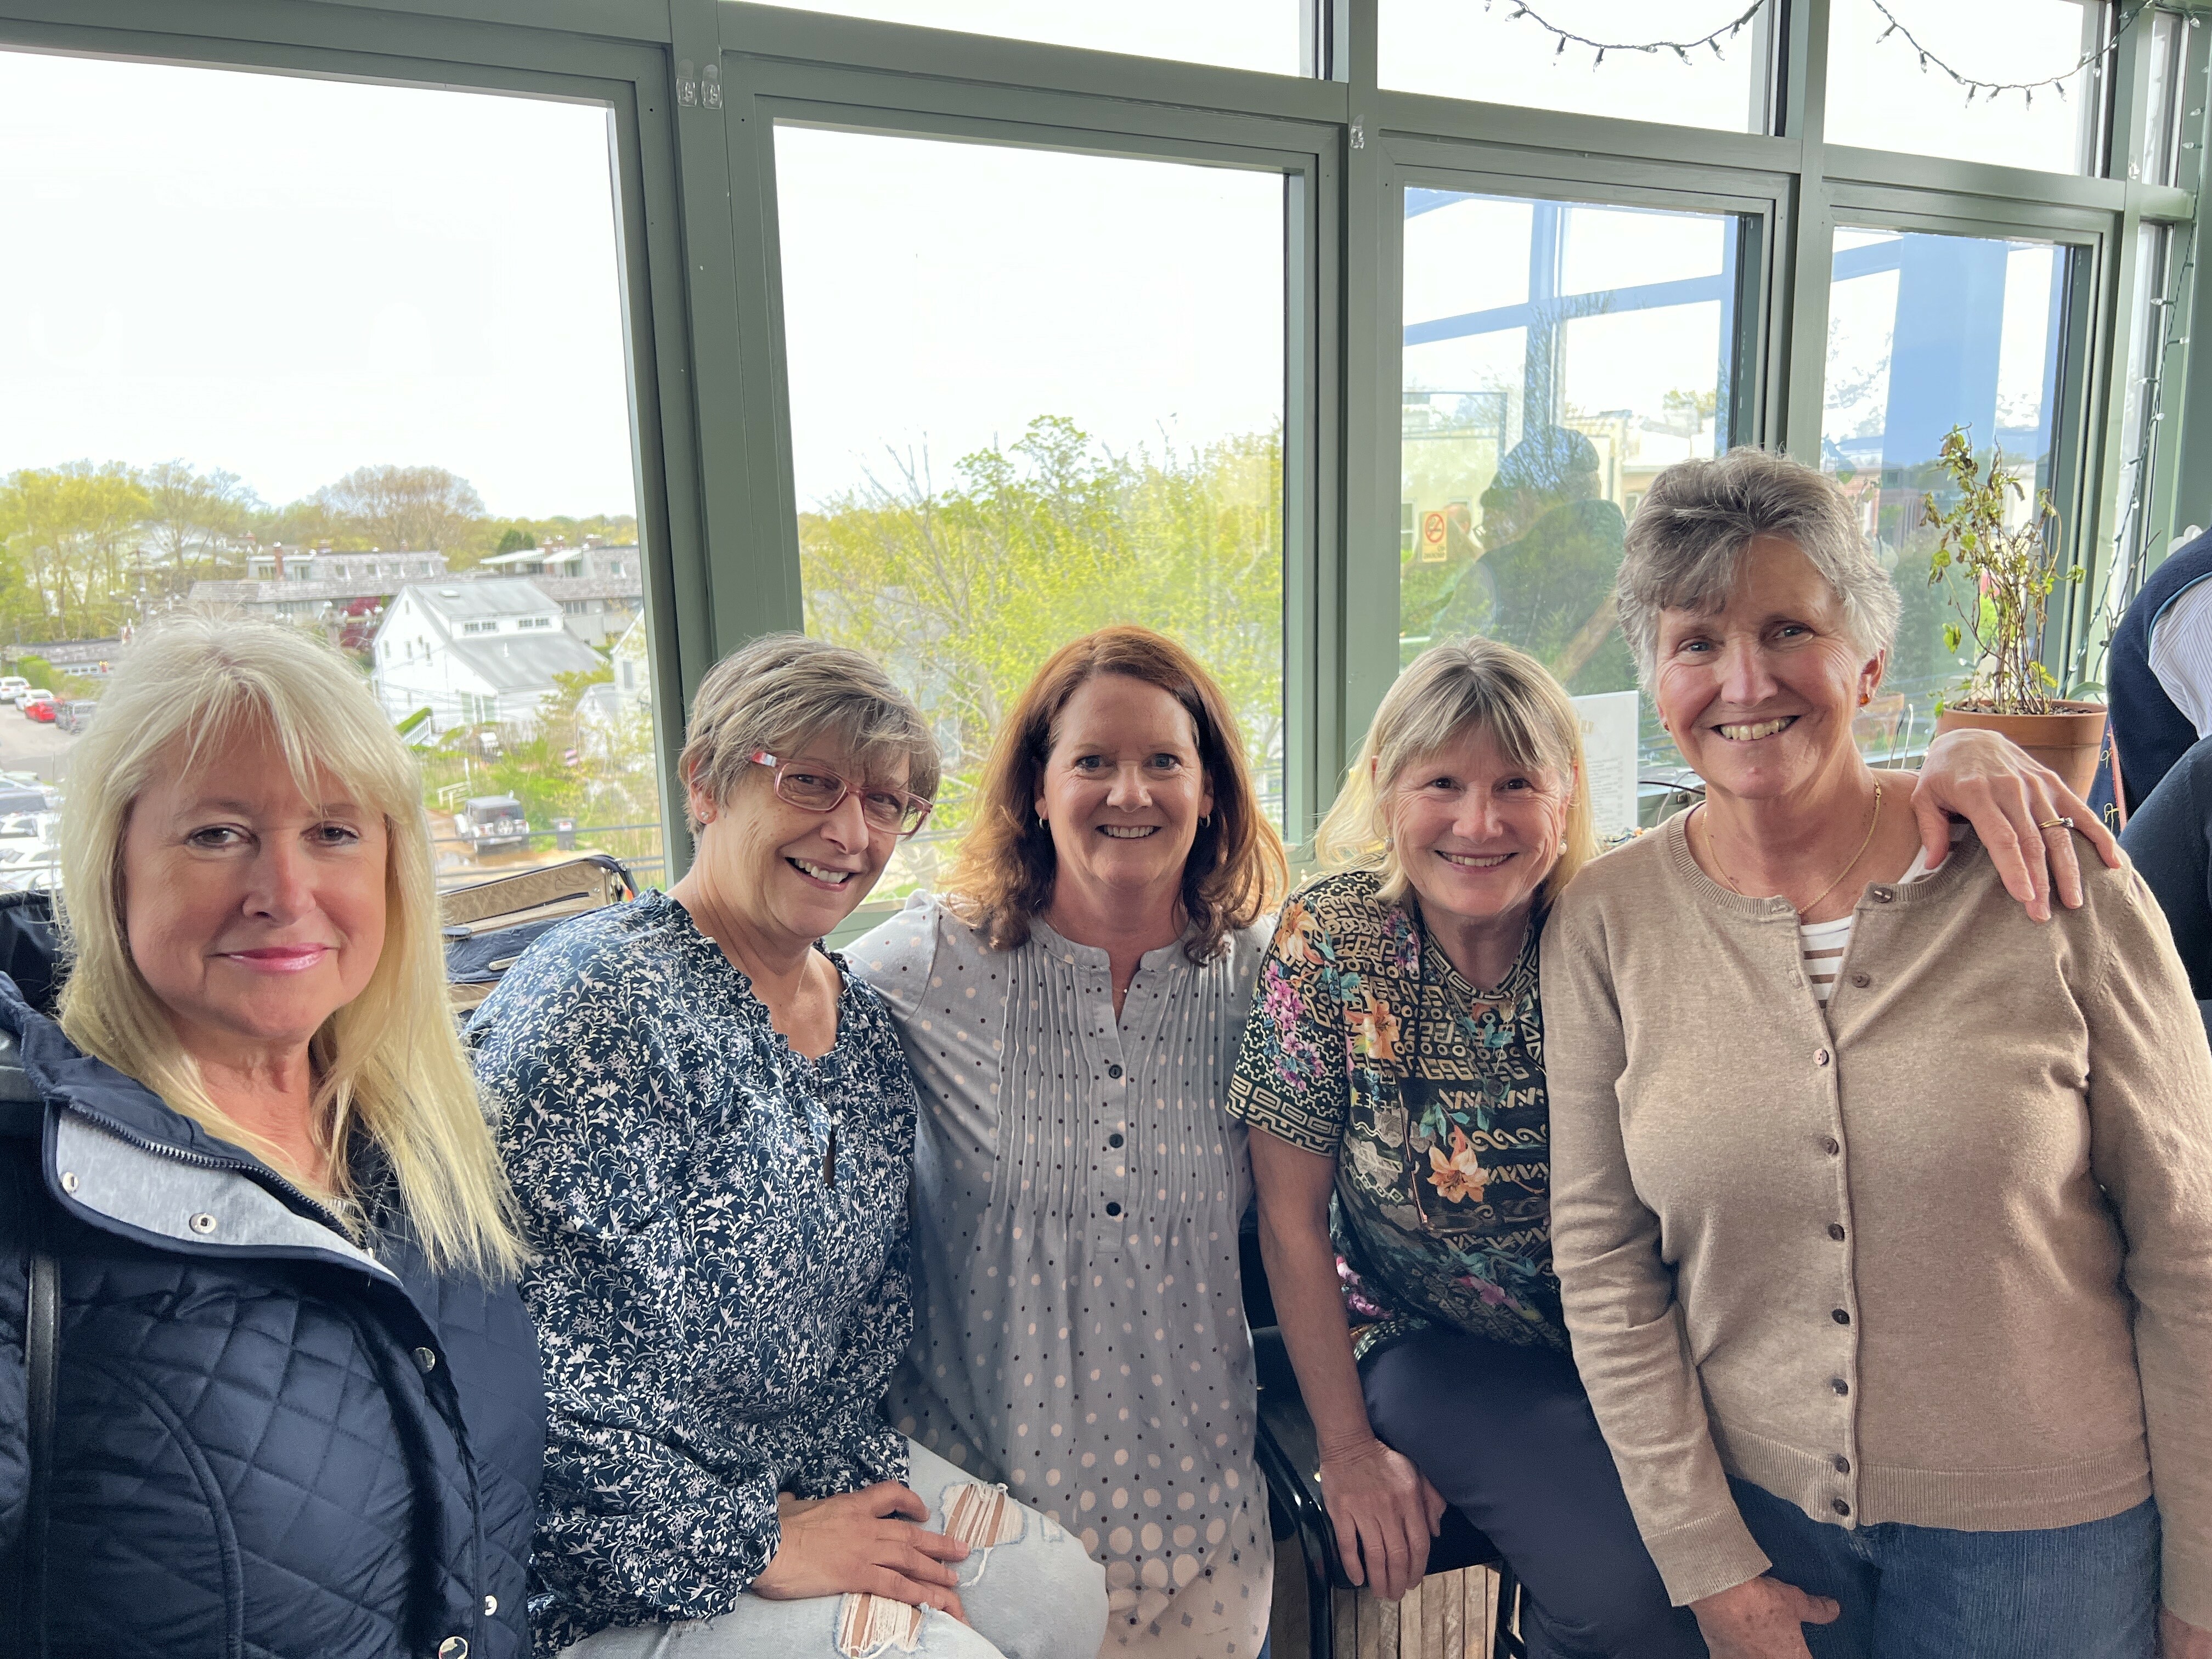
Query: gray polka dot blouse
{"points": [[1078, 1186]]}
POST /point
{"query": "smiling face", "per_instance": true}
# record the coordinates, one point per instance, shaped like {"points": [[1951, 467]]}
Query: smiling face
{"points": [[1475, 834], [1123, 789], [789, 874], [253, 913], [1759, 694]]}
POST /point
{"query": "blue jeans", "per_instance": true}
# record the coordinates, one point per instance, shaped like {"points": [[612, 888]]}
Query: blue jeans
{"points": [[2085, 1592]]}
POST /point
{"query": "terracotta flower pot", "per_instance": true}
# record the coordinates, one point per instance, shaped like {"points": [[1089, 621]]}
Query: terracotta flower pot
{"points": [[2068, 739]]}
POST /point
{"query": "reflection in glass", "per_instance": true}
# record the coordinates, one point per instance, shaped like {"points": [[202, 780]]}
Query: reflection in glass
{"points": [[1926, 333], [1032, 394], [1456, 49], [1880, 98], [1544, 388], [1250, 34]]}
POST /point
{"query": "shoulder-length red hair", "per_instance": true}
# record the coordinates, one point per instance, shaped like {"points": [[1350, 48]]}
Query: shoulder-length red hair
{"points": [[1002, 874]]}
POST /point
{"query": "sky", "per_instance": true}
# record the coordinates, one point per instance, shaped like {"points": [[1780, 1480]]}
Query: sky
{"points": [[289, 278], [938, 296]]}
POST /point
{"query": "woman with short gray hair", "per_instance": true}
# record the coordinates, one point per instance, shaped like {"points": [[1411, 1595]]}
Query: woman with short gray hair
{"points": [[709, 1123], [1905, 1301]]}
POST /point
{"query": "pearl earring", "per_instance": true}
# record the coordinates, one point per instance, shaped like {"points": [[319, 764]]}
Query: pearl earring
{"points": [[1563, 847]]}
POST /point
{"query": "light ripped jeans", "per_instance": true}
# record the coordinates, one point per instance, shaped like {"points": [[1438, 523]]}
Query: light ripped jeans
{"points": [[1029, 1590]]}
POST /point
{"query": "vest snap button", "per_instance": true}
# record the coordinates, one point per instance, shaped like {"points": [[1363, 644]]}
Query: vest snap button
{"points": [[202, 1223], [491, 1606], [69, 1181], [426, 1359], [453, 1647]]}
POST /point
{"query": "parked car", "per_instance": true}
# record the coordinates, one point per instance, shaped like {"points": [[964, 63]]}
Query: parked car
{"points": [[40, 705], [76, 714], [492, 823], [28, 700], [12, 686]]}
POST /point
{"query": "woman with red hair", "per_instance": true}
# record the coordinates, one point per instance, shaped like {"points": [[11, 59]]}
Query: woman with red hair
{"points": [[1072, 1006]]}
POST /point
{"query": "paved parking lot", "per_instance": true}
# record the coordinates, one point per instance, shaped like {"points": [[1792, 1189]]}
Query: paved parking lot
{"points": [[28, 745]]}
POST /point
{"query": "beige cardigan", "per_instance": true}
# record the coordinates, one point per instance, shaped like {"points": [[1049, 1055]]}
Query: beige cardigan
{"points": [[1949, 1263]]}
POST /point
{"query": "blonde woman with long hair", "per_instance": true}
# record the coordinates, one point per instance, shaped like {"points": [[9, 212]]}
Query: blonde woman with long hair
{"points": [[280, 1394]]}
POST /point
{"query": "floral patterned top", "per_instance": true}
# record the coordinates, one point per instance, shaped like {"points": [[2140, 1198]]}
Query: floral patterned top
{"points": [[721, 1288], [1366, 1045]]}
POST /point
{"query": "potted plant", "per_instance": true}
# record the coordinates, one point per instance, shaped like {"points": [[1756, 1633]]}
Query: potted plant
{"points": [[2001, 578]]}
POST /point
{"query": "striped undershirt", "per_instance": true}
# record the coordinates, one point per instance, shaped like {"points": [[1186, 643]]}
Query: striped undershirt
{"points": [[1822, 944]]}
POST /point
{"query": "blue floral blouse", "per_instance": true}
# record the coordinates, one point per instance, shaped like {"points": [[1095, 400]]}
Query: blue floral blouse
{"points": [[721, 1288], [1367, 1046]]}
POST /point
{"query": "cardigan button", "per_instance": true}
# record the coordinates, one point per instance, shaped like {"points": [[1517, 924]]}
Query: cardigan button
{"points": [[1835, 1232], [1862, 980], [1833, 1147], [1840, 1385], [1883, 895], [1843, 1466], [1840, 1507], [1821, 1056], [1840, 1317]]}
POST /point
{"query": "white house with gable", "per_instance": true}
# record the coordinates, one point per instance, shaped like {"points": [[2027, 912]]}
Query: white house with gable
{"points": [[473, 653]]}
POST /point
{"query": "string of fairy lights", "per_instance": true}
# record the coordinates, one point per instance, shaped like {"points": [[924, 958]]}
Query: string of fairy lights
{"points": [[1715, 40]]}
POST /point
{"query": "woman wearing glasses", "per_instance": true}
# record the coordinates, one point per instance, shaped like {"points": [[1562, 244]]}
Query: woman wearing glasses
{"points": [[1072, 1006], [709, 1123]]}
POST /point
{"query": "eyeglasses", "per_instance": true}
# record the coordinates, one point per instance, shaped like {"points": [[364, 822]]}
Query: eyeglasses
{"points": [[814, 788]]}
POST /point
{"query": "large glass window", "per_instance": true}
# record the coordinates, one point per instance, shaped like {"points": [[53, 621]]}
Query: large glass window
{"points": [[1456, 49], [1926, 333], [1557, 357], [350, 356], [1032, 394], [1253, 34], [1881, 97]]}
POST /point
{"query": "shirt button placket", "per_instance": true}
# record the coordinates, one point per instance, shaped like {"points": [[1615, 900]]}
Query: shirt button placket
{"points": [[1111, 1126], [1843, 1500]]}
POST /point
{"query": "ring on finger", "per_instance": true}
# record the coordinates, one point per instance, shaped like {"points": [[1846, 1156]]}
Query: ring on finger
{"points": [[2056, 823]]}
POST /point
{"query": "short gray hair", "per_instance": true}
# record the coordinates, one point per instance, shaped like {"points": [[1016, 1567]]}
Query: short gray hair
{"points": [[784, 691], [1689, 538]]}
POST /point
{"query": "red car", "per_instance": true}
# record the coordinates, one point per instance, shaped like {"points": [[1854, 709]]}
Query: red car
{"points": [[40, 711]]}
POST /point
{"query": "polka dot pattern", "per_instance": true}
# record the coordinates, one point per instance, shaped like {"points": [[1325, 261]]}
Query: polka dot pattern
{"points": [[1077, 1188]]}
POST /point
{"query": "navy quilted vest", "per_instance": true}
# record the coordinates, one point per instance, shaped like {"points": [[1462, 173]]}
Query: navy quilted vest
{"points": [[267, 1442], [2150, 732]]}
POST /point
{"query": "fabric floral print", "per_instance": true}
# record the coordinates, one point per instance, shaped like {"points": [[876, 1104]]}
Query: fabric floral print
{"points": [[1367, 1046]]}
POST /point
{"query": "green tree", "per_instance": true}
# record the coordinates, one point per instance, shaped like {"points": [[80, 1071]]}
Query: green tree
{"points": [[963, 592], [195, 523], [404, 508], [69, 528]]}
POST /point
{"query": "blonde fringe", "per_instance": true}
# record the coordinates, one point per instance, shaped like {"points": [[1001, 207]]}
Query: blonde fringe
{"points": [[390, 1063]]}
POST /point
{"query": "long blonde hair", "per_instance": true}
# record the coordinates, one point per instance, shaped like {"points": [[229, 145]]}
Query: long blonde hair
{"points": [[388, 1063], [1448, 688]]}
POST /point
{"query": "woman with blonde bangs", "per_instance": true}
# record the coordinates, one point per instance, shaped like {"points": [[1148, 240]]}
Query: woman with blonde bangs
{"points": [[280, 1389], [1070, 1007], [1393, 1079]]}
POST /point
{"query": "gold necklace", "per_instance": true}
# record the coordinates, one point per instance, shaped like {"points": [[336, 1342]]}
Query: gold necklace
{"points": [[1713, 852]]}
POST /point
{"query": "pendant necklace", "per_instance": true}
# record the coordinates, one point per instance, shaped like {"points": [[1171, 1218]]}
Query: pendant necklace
{"points": [[1713, 852]]}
